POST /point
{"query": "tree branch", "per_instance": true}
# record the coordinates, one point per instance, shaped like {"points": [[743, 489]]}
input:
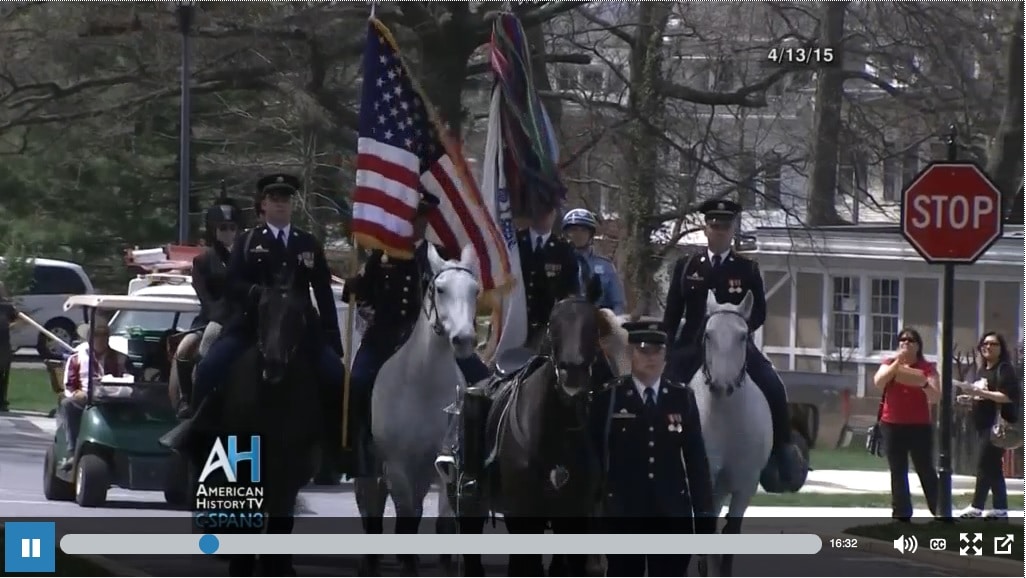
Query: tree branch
{"points": [[752, 96], [483, 67], [616, 30]]}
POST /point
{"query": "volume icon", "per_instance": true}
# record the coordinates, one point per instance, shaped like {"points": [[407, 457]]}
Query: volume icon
{"points": [[906, 544]]}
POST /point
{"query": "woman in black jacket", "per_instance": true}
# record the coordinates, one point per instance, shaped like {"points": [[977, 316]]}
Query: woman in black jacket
{"points": [[995, 392], [8, 314]]}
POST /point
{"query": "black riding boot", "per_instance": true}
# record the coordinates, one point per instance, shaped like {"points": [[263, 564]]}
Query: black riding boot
{"points": [[364, 463], [331, 438], [473, 414], [184, 367]]}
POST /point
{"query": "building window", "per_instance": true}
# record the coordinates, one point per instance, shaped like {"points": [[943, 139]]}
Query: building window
{"points": [[909, 165], [885, 314], [891, 175], [687, 176], [771, 181], [845, 334], [566, 78], [592, 80], [746, 179]]}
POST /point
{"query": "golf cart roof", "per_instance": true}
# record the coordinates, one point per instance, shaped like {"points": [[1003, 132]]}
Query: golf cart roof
{"points": [[133, 303]]}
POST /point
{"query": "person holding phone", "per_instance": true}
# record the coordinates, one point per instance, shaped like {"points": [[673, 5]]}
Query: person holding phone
{"points": [[908, 383], [994, 394]]}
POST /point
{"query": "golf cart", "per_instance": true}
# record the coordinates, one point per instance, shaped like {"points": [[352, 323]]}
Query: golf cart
{"points": [[124, 417]]}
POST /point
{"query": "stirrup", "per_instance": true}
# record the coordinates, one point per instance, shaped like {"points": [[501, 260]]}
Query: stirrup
{"points": [[442, 464]]}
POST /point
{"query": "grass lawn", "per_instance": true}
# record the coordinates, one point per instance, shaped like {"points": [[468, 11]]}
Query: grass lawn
{"points": [[68, 565], [30, 390], [849, 458], [881, 500], [925, 531]]}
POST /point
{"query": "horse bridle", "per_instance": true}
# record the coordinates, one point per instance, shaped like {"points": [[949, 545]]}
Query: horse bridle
{"points": [[740, 378], [428, 303], [548, 350]]}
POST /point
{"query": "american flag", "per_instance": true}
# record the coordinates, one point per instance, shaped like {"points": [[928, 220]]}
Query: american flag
{"points": [[401, 152]]}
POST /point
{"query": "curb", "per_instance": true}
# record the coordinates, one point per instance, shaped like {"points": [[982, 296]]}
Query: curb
{"points": [[950, 560], [112, 567], [25, 413]]}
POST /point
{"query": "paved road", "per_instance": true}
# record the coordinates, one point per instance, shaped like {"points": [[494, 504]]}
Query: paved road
{"points": [[22, 445]]}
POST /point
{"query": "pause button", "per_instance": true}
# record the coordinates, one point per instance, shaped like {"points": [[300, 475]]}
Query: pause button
{"points": [[30, 548]]}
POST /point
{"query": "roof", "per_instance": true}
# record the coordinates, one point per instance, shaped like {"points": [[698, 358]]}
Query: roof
{"points": [[133, 303], [873, 241], [51, 263], [166, 290], [167, 258]]}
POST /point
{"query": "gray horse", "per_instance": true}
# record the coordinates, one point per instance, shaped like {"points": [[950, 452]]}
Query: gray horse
{"points": [[735, 419], [411, 392]]}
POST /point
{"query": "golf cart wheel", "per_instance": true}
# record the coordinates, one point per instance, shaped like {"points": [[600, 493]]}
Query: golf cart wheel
{"points": [[92, 480], [180, 483], [63, 328], [55, 488]]}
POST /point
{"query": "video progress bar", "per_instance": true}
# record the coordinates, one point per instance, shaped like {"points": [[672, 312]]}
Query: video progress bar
{"points": [[427, 544]]}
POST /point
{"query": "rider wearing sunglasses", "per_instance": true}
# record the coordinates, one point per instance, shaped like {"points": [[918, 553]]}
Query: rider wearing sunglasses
{"points": [[209, 278]]}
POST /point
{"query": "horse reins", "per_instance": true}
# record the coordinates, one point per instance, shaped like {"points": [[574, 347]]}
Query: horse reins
{"points": [[740, 378], [428, 306]]}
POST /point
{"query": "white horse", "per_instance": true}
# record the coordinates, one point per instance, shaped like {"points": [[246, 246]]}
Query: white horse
{"points": [[735, 419], [411, 392]]}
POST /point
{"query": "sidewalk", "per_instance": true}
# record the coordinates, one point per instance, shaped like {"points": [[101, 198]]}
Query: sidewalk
{"points": [[865, 482]]}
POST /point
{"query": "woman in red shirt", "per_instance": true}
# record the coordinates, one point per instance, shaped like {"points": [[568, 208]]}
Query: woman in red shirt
{"points": [[909, 386]]}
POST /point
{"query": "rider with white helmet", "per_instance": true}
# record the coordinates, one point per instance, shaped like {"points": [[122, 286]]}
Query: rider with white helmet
{"points": [[579, 226]]}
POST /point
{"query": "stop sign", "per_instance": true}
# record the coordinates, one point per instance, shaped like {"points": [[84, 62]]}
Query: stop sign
{"points": [[951, 213]]}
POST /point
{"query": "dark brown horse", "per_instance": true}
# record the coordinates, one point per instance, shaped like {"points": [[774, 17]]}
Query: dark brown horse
{"points": [[544, 471], [273, 392]]}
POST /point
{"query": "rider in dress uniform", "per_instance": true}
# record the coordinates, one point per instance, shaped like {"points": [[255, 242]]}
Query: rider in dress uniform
{"points": [[648, 432], [250, 270], [549, 268], [209, 280], [579, 226], [731, 276], [389, 292]]}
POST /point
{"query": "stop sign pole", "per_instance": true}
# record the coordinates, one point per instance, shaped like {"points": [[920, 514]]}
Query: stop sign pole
{"points": [[964, 220]]}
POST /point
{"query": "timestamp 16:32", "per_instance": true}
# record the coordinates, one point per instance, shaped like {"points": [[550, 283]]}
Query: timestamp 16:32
{"points": [[843, 543], [803, 55]]}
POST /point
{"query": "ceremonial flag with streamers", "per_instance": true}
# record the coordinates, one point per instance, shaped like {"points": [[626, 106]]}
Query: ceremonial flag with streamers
{"points": [[521, 164], [509, 318], [403, 150]]}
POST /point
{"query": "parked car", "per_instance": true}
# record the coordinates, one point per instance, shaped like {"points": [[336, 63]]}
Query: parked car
{"points": [[52, 283]]}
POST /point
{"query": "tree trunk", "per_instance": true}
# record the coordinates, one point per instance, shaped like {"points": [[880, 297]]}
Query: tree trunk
{"points": [[1005, 164], [646, 102], [822, 185], [444, 59]]}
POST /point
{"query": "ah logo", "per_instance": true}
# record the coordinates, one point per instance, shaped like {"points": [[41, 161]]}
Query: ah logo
{"points": [[228, 461], [30, 548]]}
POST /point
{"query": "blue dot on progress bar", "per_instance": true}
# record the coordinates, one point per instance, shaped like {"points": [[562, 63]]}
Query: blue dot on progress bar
{"points": [[209, 544]]}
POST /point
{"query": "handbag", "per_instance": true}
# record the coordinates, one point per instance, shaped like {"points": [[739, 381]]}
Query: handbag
{"points": [[1006, 433], [874, 437]]}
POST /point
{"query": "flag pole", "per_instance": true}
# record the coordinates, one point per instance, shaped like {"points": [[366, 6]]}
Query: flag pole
{"points": [[351, 319], [350, 324]]}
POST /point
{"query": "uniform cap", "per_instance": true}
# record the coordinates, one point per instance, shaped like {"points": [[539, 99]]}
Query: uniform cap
{"points": [[278, 184], [645, 331], [720, 210]]}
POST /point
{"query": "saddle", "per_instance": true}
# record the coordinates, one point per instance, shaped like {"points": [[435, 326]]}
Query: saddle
{"points": [[502, 407]]}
